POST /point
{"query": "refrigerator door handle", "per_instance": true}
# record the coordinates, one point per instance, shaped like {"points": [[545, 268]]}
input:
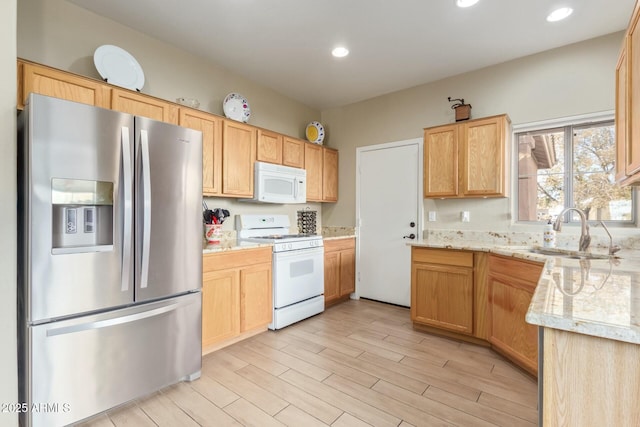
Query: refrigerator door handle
{"points": [[146, 214], [128, 209], [114, 321]]}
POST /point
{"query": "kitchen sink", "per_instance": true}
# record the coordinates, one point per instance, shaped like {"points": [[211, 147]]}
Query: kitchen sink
{"points": [[566, 253]]}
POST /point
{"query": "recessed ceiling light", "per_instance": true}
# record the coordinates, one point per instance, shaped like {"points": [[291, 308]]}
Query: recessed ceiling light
{"points": [[466, 3], [559, 14], [340, 52]]}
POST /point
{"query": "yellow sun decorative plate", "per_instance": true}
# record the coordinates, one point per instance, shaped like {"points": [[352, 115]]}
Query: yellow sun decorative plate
{"points": [[315, 133]]}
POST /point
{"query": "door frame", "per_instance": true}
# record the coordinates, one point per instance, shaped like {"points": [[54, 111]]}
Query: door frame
{"points": [[419, 196]]}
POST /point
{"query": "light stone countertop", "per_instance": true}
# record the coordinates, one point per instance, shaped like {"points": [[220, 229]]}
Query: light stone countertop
{"points": [[598, 297]]}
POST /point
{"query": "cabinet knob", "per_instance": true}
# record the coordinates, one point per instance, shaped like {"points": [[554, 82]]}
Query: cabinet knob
{"points": [[412, 224], [410, 236]]}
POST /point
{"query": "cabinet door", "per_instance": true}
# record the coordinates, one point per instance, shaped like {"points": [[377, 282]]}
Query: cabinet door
{"points": [[60, 84], [313, 164], [441, 161], [142, 105], [256, 297], [621, 115], [238, 156], [220, 306], [293, 152], [211, 128], [633, 88], [442, 296], [347, 271], [331, 276], [269, 147], [510, 333], [482, 157], [329, 175]]}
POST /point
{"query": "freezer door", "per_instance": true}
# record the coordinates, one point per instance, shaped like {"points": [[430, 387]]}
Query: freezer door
{"points": [[76, 185], [168, 209], [76, 368]]}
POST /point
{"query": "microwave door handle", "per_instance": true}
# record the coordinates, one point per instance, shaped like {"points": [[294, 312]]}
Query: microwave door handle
{"points": [[146, 209], [127, 209], [295, 188]]}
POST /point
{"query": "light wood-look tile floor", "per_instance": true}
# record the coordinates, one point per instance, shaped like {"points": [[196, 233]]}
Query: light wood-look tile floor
{"points": [[359, 363]]}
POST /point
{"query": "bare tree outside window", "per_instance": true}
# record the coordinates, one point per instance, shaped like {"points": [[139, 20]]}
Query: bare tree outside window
{"points": [[571, 166]]}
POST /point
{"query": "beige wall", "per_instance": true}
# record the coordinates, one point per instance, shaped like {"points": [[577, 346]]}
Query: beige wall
{"points": [[563, 82], [8, 363], [63, 35]]}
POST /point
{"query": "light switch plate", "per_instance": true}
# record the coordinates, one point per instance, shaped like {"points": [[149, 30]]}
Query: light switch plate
{"points": [[432, 216], [465, 216]]}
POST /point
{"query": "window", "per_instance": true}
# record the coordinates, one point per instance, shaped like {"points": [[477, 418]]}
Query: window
{"points": [[571, 166]]}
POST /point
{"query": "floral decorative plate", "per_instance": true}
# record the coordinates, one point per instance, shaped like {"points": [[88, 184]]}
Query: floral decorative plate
{"points": [[236, 107], [118, 67], [315, 132]]}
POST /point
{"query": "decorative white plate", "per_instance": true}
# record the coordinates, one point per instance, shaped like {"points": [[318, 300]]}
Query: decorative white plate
{"points": [[236, 107], [117, 67], [315, 133]]}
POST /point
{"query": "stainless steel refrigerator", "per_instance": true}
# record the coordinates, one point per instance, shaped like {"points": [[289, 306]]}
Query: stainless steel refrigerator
{"points": [[110, 258]]}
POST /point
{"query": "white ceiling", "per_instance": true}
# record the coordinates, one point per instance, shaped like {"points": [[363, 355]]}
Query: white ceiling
{"points": [[286, 44]]}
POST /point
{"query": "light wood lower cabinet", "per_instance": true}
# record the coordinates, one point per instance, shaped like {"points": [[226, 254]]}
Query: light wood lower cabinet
{"points": [[60, 84], [339, 270], [477, 297], [512, 283], [220, 306], [589, 381], [442, 289], [236, 295]]}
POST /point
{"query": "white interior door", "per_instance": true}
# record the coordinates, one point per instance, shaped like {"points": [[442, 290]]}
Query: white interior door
{"points": [[388, 193]]}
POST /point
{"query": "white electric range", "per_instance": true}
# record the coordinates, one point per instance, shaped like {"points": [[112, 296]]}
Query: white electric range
{"points": [[298, 266]]}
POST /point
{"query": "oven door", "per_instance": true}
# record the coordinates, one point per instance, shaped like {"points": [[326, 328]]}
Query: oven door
{"points": [[297, 276]]}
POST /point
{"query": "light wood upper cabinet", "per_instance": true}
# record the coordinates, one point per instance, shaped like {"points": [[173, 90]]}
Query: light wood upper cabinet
{"points": [[621, 114], [60, 84], [293, 152], [313, 164], [329, 175], [238, 157], [269, 147], [137, 104], [211, 128], [441, 161], [512, 283], [467, 159], [628, 105], [485, 143], [442, 289]]}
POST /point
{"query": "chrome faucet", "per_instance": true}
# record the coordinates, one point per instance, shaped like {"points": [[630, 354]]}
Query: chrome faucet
{"points": [[585, 238], [612, 248]]}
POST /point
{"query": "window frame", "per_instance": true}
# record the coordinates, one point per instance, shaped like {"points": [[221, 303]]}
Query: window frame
{"points": [[563, 123]]}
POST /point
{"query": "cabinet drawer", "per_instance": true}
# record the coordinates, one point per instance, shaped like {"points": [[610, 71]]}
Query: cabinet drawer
{"points": [[339, 244], [235, 258], [442, 256], [524, 273]]}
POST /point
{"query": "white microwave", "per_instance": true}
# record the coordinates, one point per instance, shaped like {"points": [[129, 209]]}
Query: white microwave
{"points": [[279, 184]]}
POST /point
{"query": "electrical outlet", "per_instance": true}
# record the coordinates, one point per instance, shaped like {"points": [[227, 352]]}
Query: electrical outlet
{"points": [[465, 216], [432, 216]]}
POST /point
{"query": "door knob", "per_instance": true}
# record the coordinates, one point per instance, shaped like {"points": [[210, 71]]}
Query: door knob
{"points": [[410, 236], [412, 224]]}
